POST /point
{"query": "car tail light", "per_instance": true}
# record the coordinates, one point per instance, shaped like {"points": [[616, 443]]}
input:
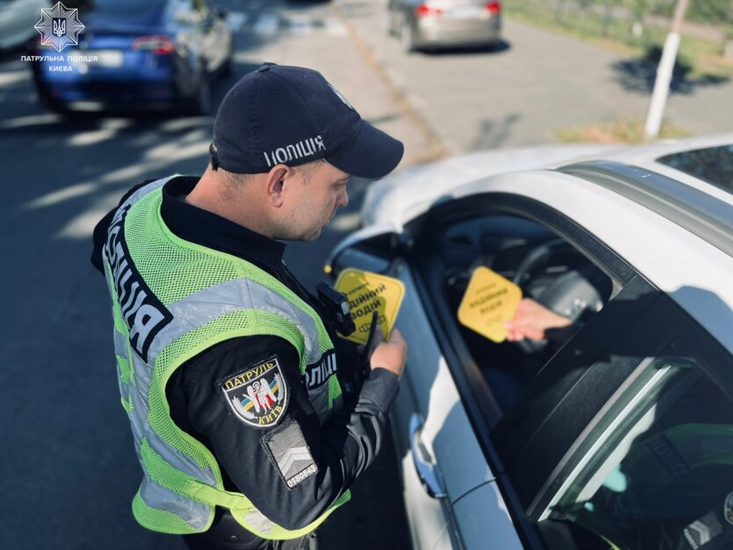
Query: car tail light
{"points": [[494, 8], [158, 44], [426, 11]]}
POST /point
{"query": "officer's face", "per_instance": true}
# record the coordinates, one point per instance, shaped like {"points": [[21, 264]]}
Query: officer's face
{"points": [[321, 192]]}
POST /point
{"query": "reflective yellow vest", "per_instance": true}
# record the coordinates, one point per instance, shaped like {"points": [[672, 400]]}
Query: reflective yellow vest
{"points": [[171, 300]]}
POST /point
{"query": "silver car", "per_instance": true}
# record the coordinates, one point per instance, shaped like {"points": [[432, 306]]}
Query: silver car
{"points": [[430, 24]]}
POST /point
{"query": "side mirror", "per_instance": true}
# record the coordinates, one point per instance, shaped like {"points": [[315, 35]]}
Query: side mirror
{"points": [[371, 249]]}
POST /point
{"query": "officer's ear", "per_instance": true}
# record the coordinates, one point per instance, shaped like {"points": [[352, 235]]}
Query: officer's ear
{"points": [[275, 184]]}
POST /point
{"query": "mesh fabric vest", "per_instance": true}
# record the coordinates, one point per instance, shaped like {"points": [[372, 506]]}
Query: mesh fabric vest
{"points": [[173, 299]]}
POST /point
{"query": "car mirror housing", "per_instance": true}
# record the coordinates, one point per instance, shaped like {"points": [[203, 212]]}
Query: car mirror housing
{"points": [[370, 249]]}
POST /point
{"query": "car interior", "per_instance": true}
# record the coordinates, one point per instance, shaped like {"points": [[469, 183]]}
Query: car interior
{"points": [[662, 479], [547, 269]]}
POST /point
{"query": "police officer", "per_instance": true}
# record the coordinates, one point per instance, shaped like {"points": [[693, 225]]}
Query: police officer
{"points": [[228, 368]]}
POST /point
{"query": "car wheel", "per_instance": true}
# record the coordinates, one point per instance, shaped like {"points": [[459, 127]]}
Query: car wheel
{"points": [[407, 38]]}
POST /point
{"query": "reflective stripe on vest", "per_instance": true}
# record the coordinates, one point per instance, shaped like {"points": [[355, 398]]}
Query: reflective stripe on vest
{"points": [[182, 480]]}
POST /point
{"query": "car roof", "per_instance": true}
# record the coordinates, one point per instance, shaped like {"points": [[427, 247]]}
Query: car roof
{"points": [[647, 156], [389, 199], [392, 200], [677, 234]]}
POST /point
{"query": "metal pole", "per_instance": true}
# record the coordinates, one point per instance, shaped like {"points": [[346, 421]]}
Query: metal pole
{"points": [[664, 73]]}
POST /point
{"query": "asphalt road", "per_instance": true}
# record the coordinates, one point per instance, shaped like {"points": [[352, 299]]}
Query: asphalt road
{"points": [[69, 465], [534, 83]]}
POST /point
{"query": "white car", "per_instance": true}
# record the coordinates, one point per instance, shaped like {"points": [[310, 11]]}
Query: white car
{"points": [[617, 434]]}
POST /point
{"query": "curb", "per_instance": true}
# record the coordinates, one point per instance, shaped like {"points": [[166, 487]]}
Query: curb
{"points": [[437, 149]]}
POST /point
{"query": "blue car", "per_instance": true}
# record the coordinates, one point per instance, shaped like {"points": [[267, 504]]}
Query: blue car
{"points": [[149, 54]]}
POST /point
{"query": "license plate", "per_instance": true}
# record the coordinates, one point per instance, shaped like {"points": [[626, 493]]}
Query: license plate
{"points": [[465, 12], [106, 58]]}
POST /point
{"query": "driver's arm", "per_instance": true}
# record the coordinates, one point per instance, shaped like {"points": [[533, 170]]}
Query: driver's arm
{"points": [[536, 322]]}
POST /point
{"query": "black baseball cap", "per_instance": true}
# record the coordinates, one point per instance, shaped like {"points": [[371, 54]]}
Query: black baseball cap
{"points": [[292, 115]]}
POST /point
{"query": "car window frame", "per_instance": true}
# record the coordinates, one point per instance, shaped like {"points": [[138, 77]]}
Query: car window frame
{"points": [[469, 382]]}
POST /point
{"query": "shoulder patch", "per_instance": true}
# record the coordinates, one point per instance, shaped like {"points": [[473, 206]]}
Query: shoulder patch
{"points": [[258, 395], [289, 452]]}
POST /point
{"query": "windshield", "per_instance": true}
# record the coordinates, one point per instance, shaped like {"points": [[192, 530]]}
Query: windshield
{"points": [[714, 165]]}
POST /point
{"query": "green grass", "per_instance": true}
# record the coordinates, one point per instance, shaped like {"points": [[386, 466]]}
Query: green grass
{"points": [[703, 57], [624, 130]]}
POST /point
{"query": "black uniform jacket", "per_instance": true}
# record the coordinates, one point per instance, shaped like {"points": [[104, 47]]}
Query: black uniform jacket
{"points": [[341, 448]]}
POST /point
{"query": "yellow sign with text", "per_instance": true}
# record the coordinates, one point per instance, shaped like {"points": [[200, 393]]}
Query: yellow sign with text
{"points": [[369, 292], [490, 301]]}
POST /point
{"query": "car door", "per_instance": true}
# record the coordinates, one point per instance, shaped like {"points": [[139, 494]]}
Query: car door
{"points": [[451, 489], [452, 239], [548, 447], [483, 446], [429, 423]]}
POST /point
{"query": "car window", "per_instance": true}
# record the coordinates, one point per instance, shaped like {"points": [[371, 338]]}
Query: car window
{"points": [[714, 165], [660, 475], [547, 268]]}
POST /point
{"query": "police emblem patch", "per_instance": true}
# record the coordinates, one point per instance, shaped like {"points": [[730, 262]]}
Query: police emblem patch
{"points": [[258, 395], [728, 508]]}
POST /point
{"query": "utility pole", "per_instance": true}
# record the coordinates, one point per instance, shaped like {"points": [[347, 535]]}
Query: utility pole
{"points": [[664, 73]]}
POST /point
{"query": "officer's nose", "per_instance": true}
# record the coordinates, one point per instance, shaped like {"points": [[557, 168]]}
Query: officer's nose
{"points": [[344, 199]]}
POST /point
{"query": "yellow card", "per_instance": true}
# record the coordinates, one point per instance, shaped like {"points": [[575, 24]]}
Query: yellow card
{"points": [[369, 292], [490, 301]]}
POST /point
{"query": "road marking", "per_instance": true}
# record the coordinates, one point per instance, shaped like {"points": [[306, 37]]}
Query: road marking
{"points": [[236, 20], [267, 24], [335, 27]]}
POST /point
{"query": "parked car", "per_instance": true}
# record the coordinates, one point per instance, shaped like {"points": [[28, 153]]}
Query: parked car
{"points": [[149, 54], [617, 436], [17, 20], [431, 24]]}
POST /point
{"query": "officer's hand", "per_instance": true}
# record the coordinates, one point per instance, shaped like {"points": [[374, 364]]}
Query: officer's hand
{"points": [[390, 354]]}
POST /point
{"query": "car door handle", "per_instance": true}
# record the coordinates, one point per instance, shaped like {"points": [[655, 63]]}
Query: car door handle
{"points": [[427, 470]]}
